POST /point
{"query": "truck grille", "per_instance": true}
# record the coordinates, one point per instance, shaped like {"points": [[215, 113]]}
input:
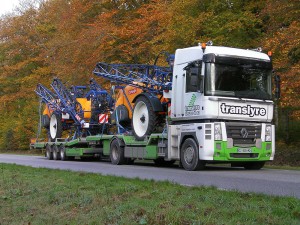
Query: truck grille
{"points": [[244, 155], [243, 134]]}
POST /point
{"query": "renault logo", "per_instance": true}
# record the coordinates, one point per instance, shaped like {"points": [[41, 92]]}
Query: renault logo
{"points": [[244, 132]]}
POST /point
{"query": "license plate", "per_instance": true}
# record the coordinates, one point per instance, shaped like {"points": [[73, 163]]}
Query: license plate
{"points": [[244, 150]]}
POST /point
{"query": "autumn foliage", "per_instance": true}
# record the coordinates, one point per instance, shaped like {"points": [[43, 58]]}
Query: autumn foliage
{"points": [[66, 38]]}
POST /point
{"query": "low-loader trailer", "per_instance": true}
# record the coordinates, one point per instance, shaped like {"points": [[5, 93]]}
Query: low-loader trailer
{"points": [[212, 105]]}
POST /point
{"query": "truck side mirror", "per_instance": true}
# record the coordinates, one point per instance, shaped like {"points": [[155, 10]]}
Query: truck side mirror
{"points": [[277, 86]]}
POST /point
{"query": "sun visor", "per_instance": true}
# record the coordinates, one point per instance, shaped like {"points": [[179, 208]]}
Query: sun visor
{"points": [[237, 61]]}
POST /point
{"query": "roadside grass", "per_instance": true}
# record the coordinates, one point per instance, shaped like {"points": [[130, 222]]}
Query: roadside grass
{"points": [[283, 167], [43, 196], [287, 155], [23, 152]]}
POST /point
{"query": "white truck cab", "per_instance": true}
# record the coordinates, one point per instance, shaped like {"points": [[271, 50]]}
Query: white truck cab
{"points": [[221, 104]]}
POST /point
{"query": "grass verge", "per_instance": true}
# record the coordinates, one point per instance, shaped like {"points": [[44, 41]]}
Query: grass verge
{"points": [[22, 152], [287, 155], [282, 167], [43, 196]]}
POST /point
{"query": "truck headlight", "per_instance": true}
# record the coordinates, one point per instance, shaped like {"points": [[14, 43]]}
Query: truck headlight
{"points": [[218, 132], [268, 131]]}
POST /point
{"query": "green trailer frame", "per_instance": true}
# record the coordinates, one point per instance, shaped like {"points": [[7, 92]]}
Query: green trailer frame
{"points": [[152, 148]]}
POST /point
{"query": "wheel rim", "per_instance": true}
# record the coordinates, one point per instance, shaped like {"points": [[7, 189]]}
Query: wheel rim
{"points": [[189, 154], [53, 126], [140, 119]]}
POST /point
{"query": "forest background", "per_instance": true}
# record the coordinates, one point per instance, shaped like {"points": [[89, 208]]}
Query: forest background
{"points": [[66, 38]]}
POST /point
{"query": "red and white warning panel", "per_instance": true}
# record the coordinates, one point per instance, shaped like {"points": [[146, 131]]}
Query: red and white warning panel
{"points": [[103, 118]]}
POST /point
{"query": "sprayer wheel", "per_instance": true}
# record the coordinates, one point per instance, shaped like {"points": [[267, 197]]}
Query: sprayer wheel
{"points": [[144, 119]]}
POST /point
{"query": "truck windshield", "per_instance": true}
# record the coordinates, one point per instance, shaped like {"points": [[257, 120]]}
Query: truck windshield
{"points": [[241, 81]]}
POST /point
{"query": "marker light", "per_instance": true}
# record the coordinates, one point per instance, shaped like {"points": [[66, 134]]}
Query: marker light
{"points": [[269, 53], [203, 45]]}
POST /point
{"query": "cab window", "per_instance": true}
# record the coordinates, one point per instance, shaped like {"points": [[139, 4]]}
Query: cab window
{"points": [[193, 77]]}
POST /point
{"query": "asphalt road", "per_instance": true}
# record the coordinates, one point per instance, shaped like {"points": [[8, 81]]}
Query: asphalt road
{"points": [[267, 181]]}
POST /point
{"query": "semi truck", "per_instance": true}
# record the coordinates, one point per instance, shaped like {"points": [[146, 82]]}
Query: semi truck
{"points": [[212, 104]]}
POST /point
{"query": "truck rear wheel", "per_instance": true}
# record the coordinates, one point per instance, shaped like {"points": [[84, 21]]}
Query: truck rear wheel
{"points": [[254, 165], [189, 155], [49, 153], [144, 119], [116, 153], [55, 128]]}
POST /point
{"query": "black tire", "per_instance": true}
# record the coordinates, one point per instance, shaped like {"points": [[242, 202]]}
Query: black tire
{"points": [[45, 121], [55, 152], [55, 127], [189, 156], [117, 153], [144, 120], [254, 165], [162, 162], [49, 153], [62, 153], [123, 116]]}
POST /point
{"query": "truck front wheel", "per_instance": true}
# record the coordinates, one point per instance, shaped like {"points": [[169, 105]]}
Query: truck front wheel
{"points": [[116, 153], [189, 156]]}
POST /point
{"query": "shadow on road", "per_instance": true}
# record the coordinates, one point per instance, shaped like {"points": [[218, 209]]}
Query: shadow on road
{"points": [[150, 163]]}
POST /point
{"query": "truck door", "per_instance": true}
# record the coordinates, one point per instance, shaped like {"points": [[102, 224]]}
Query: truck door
{"points": [[193, 90]]}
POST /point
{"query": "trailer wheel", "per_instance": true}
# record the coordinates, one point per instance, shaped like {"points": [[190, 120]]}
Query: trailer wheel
{"points": [[55, 128], [55, 152], [116, 153], [254, 165], [189, 156], [62, 152], [144, 119], [49, 154]]}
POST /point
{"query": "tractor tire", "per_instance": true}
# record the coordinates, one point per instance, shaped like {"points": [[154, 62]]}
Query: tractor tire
{"points": [[122, 113], [55, 128], [45, 121], [117, 153], [144, 120], [189, 155]]}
